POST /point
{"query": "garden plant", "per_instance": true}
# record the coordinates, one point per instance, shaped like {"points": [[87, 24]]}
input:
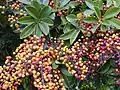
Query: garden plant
{"points": [[60, 45]]}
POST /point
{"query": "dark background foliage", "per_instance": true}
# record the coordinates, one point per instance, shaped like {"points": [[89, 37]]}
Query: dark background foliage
{"points": [[2, 2], [8, 39]]}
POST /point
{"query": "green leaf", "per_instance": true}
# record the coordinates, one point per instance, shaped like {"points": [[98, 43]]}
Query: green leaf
{"points": [[72, 19], [64, 21], [112, 63], [74, 36], [111, 12], [90, 19], [54, 65], [88, 12], [115, 22], [45, 12], [99, 4], [36, 4], [48, 21], [90, 4], [103, 27], [97, 12], [71, 4], [28, 30], [67, 35], [69, 82], [67, 28], [65, 72], [106, 22], [52, 16], [44, 27], [64, 2], [26, 20], [45, 2], [32, 11], [57, 62], [25, 83], [109, 3], [116, 3], [103, 69], [38, 31], [24, 1], [95, 28]]}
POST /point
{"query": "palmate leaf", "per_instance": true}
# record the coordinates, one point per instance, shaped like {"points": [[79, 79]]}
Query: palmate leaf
{"points": [[90, 4], [95, 28], [71, 4], [109, 3], [48, 21], [26, 83], [28, 30], [38, 31], [103, 27], [111, 12], [32, 11], [90, 19], [88, 12], [44, 27], [67, 28], [65, 72], [45, 2], [67, 35], [97, 12], [36, 4], [114, 22], [26, 20], [64, 20], [45, 12], [98, 4], [116, 3], [103, 69], [71, 18], [54, 65], [74, 36], [25, 1], [64, 2]]}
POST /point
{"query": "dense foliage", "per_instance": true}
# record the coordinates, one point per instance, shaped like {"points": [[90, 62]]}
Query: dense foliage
{"points": [[66, 45]]}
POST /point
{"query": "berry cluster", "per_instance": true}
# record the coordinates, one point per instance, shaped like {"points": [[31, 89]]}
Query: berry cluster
{"points": [[16, 7], [40, 58], [89, 54], [34, 58], [10, 74]]}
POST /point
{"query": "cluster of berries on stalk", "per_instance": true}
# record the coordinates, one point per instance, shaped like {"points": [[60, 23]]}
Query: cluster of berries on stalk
{"points": [[17, 8], [9, 74], [34, 57], [89, 54]]}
